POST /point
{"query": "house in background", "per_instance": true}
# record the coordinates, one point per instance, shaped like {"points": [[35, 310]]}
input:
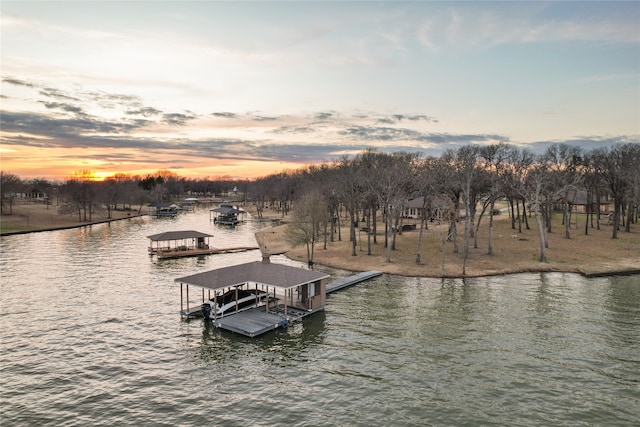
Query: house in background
{"points": [[436, 210], [579, 203]]}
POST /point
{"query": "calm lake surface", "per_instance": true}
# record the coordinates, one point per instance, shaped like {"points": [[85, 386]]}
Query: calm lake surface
{"points": [[91, 335]]}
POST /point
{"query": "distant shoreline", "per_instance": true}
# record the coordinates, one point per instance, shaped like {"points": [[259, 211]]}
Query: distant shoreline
{"points": [[39, 217], [68, 227]]}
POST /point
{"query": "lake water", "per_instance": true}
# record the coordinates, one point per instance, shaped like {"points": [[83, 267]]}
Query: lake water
{"points": [[91, 335]]}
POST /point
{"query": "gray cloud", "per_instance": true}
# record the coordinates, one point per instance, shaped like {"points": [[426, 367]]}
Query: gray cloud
{"points": [[294, 129], [585, 142], [324, 116], [322, 142], [389, 134], [144, 111], [69, 108], [177, 118], [225, 115], [263, 118], [77, 130], [18, 82], [57, 94]]}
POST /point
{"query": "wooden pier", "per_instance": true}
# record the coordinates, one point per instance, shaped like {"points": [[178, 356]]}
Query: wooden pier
{"points": [[352, 280], [188, 251]]}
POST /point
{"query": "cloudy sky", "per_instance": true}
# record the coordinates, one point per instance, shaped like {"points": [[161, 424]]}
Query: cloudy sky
{"points": [[245, 89]]}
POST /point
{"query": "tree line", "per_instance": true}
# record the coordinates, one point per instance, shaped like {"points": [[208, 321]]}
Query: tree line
{"points": [[470, 179], [84, 196], [371, 190]]}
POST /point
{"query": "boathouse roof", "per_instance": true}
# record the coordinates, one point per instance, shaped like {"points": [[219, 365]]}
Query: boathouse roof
{"points": [[226, 209], [266, 273], [178, 235]]}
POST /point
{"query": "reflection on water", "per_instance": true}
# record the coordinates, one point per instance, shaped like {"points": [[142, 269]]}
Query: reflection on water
{"points": [[91, 335]]}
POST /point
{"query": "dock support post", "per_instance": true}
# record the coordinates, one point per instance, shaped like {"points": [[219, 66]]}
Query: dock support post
{"points": [[181, 306]]}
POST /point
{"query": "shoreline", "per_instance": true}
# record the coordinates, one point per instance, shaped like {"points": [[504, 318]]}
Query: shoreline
{"points": [[272, 240], [338, 255], [611, 273], [69, 227]]}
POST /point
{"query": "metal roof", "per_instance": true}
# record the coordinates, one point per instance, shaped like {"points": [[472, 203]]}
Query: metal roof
{"points": [[178, 235], [228, 210], [266, 273]]}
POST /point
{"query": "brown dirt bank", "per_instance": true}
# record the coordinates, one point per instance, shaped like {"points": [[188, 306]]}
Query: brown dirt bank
{"points": [[27, 218], [591, 255]]}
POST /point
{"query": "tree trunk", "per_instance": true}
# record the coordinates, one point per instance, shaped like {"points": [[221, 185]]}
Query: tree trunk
{"points": [[369, 232], [543, 255], [524, 214], [394, 230], [418, 252], [465, 250], [627, 226], [490, 247], [388, 237], [513, 215], [352, 234], [588, 209], [375, 226], [599, 212], [616, 217], [326, 224], [567, 220]]}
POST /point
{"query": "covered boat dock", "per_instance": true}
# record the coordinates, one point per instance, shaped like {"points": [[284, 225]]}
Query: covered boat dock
{"points": [[293, 292], [227, 214], [175, 244]]}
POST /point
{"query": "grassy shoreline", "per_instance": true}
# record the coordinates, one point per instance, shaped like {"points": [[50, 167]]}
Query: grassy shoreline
{"points": [[596, 254], [31, 218]]}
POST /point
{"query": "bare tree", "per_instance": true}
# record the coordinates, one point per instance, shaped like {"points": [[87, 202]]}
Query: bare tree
{"points": [[614, 165], [467, 168], [9, 186], [448, 185], [494, 157], [349, 194], [80, 196], [564, 163], [533, 176], [307, 228], [426, 181]]}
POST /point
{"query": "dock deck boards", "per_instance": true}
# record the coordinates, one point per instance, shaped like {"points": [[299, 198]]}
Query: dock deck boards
{"points": [[251, 322], [162, 254]]}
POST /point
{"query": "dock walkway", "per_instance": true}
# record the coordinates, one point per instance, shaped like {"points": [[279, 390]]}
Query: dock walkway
{"points": [[178, 253], [352, 280]]}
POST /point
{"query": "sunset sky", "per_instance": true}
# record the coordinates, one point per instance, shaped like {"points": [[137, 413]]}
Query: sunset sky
{"points": [[245, 89]]}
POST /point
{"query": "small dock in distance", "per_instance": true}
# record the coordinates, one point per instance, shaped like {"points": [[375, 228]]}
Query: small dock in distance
{"points": [[345, 282]]}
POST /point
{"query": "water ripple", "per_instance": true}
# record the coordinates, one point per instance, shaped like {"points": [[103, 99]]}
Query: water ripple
{"points": [[91, 335]]}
